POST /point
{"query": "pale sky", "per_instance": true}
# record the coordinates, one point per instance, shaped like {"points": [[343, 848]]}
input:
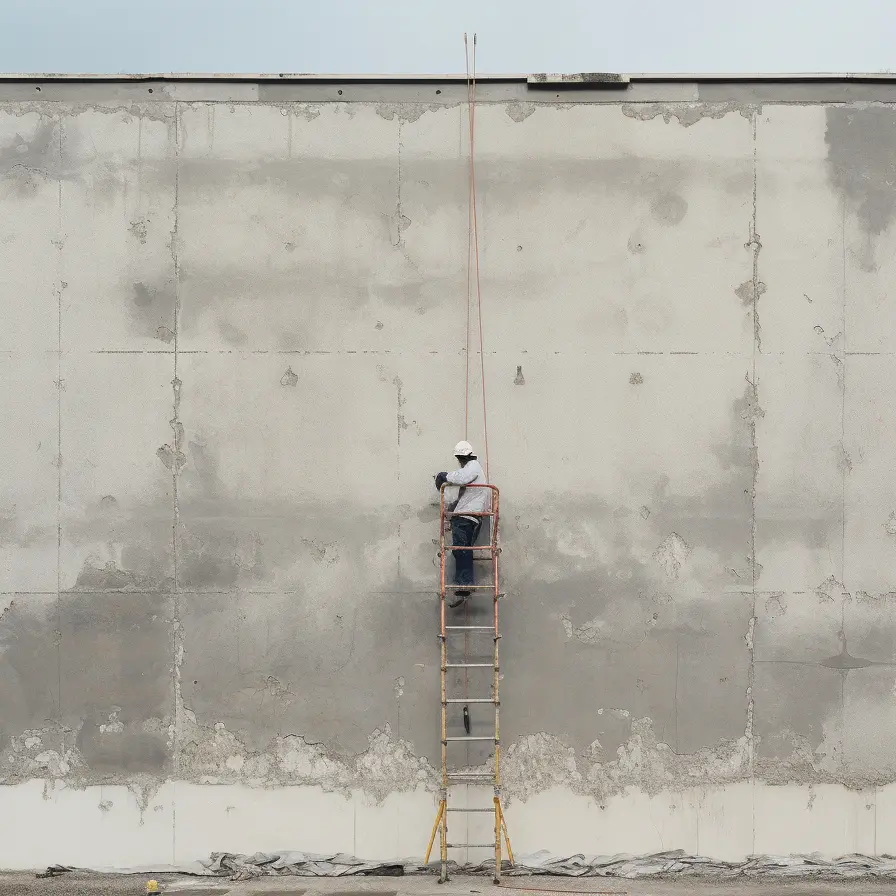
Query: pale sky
{"points": [[424, 36]]}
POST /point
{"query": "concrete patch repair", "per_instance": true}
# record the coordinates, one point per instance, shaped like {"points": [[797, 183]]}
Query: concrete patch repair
{"points": [[229, 367]]}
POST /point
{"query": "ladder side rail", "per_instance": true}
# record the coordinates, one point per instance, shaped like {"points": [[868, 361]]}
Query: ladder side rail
{"points": [[496, 687], [443, 649]]}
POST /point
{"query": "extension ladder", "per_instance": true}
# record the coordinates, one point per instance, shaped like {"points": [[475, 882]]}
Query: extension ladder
{"points": [[451, 778]]}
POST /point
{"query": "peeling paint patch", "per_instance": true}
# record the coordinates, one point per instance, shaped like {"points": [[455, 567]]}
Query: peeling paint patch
{"points": [[308, 111], [290, 378], [890, 524], [27, 757], [844, 461], [748, 637], [686, 114], [111, 577], [829, 589], [519, 111], [748, 294], [172, 458], [388, 765], [138, 229], [537, 762], [405, 112], [322, 553], [636, 379], [114, 725], [540, 761], [672, 554], [775, 607], [588, 633]]}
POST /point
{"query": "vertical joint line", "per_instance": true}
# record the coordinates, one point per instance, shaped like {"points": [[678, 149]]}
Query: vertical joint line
{"points": [[843, 464], [59, 388], [399, 240], [176, 640], [756, 246]]}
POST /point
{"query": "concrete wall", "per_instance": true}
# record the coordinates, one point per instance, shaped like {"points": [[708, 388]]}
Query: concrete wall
{"points": [[232, 358]]}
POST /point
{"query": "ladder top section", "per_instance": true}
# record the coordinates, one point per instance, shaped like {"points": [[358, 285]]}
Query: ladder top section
{"points": [[494, 488], [483, 513]]}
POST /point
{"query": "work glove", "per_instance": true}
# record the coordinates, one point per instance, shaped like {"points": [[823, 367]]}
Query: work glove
{"points": [[441, 479]]}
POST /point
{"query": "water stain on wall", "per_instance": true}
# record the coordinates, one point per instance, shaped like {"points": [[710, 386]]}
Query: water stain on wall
{"points": [[861, 166]]}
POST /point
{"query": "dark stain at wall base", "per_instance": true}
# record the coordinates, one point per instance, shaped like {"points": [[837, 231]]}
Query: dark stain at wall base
{"points": [[97, 668]]}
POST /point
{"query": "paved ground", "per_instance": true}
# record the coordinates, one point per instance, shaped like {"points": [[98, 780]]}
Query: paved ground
{"points": [[25, 884]]}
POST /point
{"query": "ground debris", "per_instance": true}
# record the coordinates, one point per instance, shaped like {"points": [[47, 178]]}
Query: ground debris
{"points": [[54, 871], [672, 863]]}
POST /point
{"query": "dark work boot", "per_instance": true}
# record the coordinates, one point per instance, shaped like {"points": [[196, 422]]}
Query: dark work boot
{"points": [[460, 598]]}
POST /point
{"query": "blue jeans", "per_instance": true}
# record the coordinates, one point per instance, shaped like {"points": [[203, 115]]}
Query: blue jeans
{"points": [[464, 533]]}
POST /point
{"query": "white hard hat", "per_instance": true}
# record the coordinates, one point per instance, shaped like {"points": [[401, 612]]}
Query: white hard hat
{"points": [[464, 449]]}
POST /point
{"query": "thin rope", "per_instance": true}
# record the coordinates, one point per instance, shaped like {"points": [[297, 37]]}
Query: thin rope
{"points": [[469, 265], [476, 250], [470, 228]]}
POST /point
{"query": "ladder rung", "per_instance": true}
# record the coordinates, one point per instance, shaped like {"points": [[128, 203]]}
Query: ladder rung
{"points": [[472, 845], [444, 594], [470, 666], [479, 776], [471, 810], [475, 547], [473, 737], [469, 628], [490, 586], [470, 700]]}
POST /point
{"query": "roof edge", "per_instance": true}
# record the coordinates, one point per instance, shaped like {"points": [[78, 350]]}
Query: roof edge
{"points": [[554, 80]]}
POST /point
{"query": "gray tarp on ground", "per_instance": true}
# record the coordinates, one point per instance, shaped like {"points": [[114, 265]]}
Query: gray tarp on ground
{"points": [[673, 863]]}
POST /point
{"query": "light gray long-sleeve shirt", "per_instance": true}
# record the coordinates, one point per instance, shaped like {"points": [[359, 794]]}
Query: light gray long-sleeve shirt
{"points": [[471, 500]]}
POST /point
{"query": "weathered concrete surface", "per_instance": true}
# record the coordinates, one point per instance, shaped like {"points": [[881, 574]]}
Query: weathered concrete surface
{"points": [[233, 356]]}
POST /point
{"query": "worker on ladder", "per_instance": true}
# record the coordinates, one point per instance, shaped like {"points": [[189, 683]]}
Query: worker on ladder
{"points": [[465, 529]]}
